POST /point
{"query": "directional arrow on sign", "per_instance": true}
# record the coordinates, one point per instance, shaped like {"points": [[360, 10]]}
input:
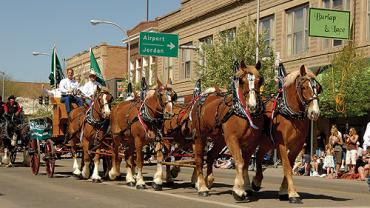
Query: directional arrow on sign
{"points": [[171, 45]]}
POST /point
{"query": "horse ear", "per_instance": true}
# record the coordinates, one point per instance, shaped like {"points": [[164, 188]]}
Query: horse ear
{"points": [[302, 70], [242, 65], [159, 83], [169, 83], [258, 65], [318, 71]]}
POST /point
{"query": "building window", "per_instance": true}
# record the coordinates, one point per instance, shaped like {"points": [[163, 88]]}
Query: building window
{"points": [[138, 71], [297, 30], [186, 62], [229, 34], [344, 5], [203, 42], [267, 28], [152, 71], [168, 69]]}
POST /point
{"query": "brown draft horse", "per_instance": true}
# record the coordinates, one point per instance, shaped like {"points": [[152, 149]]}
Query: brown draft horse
{"points": [[137, 123], [93, 123], [214, 117], [298, 103]]}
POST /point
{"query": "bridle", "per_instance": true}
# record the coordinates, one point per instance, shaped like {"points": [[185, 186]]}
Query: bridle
{"points": [[313, 85], [90, 118], [162, 104]]}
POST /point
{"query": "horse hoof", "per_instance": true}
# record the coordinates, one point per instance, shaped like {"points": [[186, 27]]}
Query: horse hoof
{"points": [[255, 188], [284, 197], [295, 200], [170, 183], [140, 187], [79, 177], [249, 192], [203, 193], [131, 184], [96, 180], [157, 187], [237, 197]]}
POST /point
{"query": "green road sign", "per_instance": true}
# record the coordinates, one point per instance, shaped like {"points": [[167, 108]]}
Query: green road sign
{"points": [[158, 44], [329, 23]]}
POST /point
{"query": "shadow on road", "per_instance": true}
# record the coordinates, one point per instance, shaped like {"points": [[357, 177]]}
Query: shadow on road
{"points": [[274, 195]]}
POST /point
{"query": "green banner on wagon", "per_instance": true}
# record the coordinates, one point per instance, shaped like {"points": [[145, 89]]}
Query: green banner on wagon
{"points": [[158, 44], [328, 23]]}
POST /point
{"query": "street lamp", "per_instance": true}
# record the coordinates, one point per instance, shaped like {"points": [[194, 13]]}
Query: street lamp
{"points": [[2, 94], [124, 31]]}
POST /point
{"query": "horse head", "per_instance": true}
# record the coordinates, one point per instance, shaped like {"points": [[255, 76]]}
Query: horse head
{"points": [[307, 90], [161, 99], [103, 100], [250, 82]]}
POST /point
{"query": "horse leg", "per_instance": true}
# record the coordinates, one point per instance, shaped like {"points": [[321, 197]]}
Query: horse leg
{"points": [[6, 158], [287, 186], [95, 176], [239, 193], [157, 179], [129, 158], [194, 175], [257, 179], [86, 158], [247, 183], [198, 157], [140, 183], [76, 167], [115, 171]]}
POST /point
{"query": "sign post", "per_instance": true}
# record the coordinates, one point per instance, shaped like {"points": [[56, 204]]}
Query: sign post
{"points": [[158, 44], [329, 23]]}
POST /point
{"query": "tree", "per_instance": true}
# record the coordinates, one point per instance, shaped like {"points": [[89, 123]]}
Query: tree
{"points": [[220, 56], [346, 85]]}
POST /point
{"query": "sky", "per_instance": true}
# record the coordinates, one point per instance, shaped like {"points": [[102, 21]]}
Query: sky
{"points": [[36, 25]]}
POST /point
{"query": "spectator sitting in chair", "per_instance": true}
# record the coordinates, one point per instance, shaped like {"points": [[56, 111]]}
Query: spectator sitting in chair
{"points": [[68, 87]]}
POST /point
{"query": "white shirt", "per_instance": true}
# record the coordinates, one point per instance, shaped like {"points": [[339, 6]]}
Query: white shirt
{"points": [[89, 88], [66, 86], [367, 137]]}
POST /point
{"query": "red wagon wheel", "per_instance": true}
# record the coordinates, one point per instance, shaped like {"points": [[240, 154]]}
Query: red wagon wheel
{"points": [[49, 158], [34, 148]]}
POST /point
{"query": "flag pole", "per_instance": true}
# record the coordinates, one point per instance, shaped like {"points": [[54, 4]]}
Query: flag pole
{"points": [[54, 67]]}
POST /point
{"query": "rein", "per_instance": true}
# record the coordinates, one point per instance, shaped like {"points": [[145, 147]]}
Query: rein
{"points": [[90, 117]]}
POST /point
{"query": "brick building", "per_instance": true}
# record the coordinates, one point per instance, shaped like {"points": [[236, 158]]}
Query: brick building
{"points": [[286, 22], [141, 66], [112, 61]]}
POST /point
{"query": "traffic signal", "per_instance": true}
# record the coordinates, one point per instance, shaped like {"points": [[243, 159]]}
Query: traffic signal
{"points": [[46, 100], [40, 100]]}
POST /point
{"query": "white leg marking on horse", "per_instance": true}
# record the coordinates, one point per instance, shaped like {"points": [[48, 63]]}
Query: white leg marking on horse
{"points": [[95, 174], [106, 106], [129, 175], [76, 167], [86, 170], [6, 158], [139, 177], [158, 175], [113, 173]]}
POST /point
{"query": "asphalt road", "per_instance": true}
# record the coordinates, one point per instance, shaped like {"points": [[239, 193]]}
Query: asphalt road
{"points": [[19, 188]]}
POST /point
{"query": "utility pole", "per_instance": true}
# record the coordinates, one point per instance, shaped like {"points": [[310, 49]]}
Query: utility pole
{"points": [[147, 10]]}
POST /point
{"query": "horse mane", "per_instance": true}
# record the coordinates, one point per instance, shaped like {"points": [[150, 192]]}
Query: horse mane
{"points": [[252, 69], [292, 76]]}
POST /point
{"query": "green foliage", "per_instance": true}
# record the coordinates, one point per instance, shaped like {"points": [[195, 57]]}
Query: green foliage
{"points": [[221, 55], [348, 75]]}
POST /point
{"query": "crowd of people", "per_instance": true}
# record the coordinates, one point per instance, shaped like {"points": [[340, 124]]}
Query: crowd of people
{"points": [[341, 156]]}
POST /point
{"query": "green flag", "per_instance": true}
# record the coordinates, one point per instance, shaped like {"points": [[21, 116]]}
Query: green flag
{"points": [[56, 69], [95, 67]]}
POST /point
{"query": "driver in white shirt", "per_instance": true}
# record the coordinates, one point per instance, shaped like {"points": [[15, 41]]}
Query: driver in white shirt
{"points": [[90, 87], [68, 86]]}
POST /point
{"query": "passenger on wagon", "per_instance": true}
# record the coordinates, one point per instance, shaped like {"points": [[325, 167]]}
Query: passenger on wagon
{"points": [[12, 108], [68, 87], [89, 88]]}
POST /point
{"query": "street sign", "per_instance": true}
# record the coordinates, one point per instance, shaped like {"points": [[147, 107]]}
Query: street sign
{"points": [[158, 44], [329, 23]]}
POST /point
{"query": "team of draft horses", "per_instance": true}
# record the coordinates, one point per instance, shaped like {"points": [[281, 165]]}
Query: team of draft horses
{"points": [[237, 117]]}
